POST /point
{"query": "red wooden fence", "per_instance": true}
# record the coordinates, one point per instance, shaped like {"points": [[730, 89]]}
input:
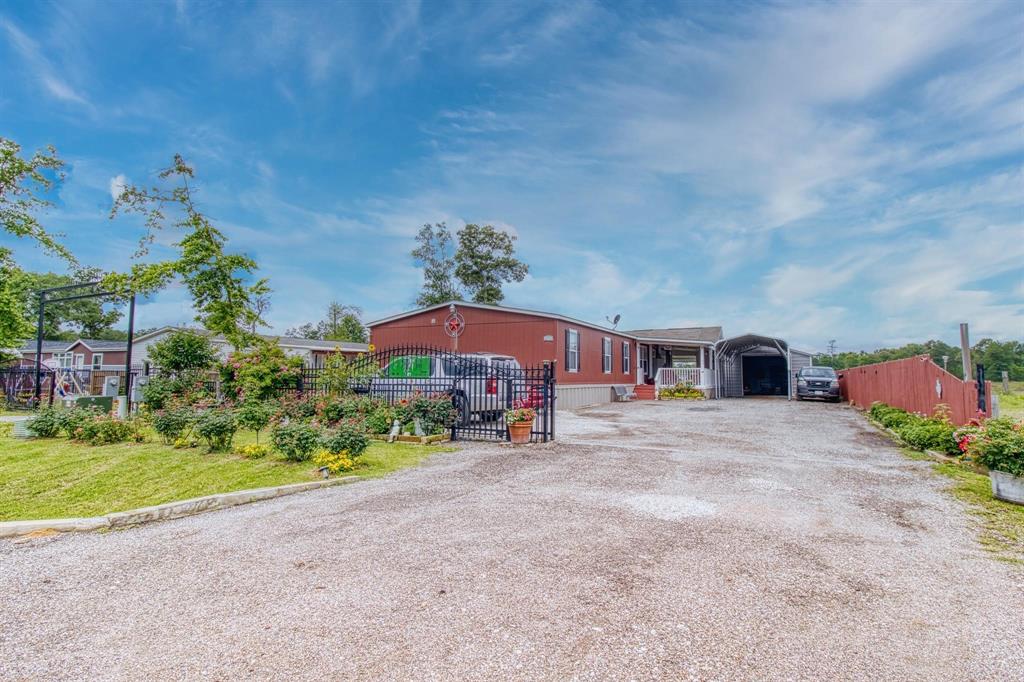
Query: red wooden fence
{"points": [[914, 384]]}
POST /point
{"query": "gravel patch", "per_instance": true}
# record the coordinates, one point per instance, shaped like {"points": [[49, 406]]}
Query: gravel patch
{"points": [[763, 540]]}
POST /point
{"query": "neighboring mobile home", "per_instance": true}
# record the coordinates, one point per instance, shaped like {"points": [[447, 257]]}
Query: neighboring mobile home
{"points": [[312, 351]]}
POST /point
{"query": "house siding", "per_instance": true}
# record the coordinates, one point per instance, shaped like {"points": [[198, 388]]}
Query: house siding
{"points": [[531, 339], [519, 335], [591, 369]]}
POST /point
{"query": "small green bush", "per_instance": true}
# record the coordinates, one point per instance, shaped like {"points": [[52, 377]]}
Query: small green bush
{"points": [[436, 413], [379, 421], [346, 437], [928, 434], [46, 424], [297, 441], [999, 445], [158, 391], [217, 427], [255, 415], [888, 416], [171, 424]]}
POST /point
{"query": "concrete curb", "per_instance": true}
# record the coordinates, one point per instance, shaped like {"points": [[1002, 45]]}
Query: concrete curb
{"points": [[162, 512]]}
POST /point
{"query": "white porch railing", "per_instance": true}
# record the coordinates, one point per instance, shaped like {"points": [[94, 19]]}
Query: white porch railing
{"points": [[692, 376]]}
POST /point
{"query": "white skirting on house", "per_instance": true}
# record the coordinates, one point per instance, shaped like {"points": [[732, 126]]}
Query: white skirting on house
{"points": [[569, 396]]}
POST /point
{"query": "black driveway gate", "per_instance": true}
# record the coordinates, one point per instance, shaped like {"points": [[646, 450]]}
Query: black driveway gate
{"points": [[482, 386]]}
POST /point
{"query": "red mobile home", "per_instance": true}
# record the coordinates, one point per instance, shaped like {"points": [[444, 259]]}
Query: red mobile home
{"points": [[589, 359]]}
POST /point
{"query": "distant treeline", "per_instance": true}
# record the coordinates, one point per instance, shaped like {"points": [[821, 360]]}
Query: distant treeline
{"points": [[995, 355]]}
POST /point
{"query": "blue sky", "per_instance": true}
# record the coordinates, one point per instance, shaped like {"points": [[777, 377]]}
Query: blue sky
{"points": [[832, 170]]}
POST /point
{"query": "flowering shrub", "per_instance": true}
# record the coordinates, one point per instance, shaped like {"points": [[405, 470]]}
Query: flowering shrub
{"points": [[187, 387], [253, 451], [332, 410], [260, 373], [104, 429], [172, 423], [217, 427], [346, 437], [997, 444], [73, 419], [295, 440], [291, 406], [336, 462], [436, 413], [520, 415]]}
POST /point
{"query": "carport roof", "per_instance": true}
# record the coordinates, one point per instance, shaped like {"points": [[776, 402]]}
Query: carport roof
{"points": [[744, 342]]}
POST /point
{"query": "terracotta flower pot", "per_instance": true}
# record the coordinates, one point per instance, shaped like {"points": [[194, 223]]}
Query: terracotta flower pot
{"points": [[519, 432]]}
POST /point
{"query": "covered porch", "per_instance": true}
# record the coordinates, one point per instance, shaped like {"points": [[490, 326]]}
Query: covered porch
{"points": [[665, 365], [679, 355]]}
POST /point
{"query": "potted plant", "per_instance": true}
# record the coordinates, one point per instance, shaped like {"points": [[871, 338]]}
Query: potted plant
{"points": [[520, 423], [999, 445]]}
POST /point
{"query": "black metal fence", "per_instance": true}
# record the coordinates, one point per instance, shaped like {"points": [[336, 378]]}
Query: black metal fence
{"points": [[481, 386]]}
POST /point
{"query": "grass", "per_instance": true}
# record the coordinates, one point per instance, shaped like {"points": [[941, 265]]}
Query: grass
{"points": [[1011, 404], [56, 478], [1001, 523]]}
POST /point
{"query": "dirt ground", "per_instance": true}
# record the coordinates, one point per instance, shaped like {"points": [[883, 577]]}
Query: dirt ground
{"points": [[733, 540]]}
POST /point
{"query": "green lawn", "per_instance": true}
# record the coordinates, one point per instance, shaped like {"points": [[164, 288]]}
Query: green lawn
{"points": [[1001, 524], [55, 478], [1010, 404]]}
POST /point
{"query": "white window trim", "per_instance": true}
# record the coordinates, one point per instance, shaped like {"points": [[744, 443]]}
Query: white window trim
{"points": [[95, 364], [606, 354], [627, 360], [63, 360], [79, 360], [574, 354]]}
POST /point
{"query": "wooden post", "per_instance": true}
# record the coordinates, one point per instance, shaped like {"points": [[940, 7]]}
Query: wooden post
{"points": [[1006, 381], [965, 351]]}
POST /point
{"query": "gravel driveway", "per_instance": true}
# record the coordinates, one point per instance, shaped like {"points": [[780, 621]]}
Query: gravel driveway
{"points": [[741, 539]]}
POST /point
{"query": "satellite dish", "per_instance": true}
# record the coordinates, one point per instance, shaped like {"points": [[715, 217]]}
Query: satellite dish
{"points": [[614, 321]]}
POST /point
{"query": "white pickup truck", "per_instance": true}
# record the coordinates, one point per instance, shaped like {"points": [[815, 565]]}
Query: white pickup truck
{"points": [[481, 384]]}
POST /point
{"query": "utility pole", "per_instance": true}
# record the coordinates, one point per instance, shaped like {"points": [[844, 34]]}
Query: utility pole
{"points": [[965, 351]]}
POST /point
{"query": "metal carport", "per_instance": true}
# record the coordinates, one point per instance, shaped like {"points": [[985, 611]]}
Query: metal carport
{"points": [[730, 353]]}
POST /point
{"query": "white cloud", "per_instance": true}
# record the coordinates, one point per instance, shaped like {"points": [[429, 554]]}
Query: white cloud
{"points": [[117, 185], [41, 68]]}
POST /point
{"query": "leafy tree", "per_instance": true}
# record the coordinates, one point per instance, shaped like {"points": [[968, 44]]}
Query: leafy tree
{"points": [[90, 318], [994, 355], [183, 350], [485, 260], [342, 323], [23, 184], [224, 301], [435, 253], [14, 328], [304, 331]]}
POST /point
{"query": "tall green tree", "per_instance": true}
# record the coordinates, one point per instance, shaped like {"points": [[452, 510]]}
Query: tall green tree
{"points": [[342, 323], [91, 318], [435, 253], [485, 260], [14, 328], [223, 292], [24, 182], [996, 356]]}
